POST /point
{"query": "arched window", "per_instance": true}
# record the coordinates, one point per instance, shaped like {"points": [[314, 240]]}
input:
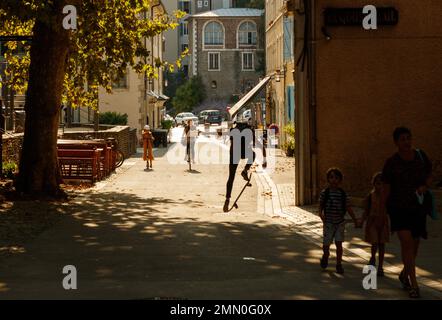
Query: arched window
{"points": [[247, 33], [213, 34]]}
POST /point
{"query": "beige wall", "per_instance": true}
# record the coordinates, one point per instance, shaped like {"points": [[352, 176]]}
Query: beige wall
{"points": [[171, 49], [125, 100], [369, 82], [275, 61]]}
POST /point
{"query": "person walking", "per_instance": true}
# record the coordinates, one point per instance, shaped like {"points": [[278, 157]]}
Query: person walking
{"points": [[406, 175], [334, 203], [148, 146], [190, 134], [377, 227]]}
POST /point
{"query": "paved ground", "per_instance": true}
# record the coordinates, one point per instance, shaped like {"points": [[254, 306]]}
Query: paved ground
{"points": [[162, 233]]}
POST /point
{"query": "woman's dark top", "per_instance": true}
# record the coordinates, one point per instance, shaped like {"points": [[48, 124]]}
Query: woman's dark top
{"points": [[404, 177]]}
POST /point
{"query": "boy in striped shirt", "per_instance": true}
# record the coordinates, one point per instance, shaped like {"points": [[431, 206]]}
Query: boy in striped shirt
{"points": [[333, 205]]}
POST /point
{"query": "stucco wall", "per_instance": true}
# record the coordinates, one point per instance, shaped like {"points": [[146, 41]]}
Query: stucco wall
{"points": [[369, 82], [125, 100]]}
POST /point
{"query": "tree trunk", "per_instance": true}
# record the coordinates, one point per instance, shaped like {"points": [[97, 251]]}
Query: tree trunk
{"points": [[39, 171]]}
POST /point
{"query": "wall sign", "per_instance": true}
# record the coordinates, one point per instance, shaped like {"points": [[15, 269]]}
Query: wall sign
{"points": [[388, 16]]}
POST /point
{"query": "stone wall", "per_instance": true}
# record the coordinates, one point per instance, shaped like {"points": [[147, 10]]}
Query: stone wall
{"points": [[12, 145]]}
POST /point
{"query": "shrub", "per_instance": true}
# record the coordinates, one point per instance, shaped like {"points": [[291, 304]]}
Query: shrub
{"points": [[113, 118], [166, 124], [10, 169], [289, 145]]}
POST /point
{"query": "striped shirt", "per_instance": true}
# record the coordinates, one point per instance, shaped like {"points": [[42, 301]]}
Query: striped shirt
{"points": [[334, 208]]}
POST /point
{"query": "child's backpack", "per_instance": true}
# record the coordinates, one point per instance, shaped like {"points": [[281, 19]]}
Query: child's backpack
{"points": [[343, 198]]}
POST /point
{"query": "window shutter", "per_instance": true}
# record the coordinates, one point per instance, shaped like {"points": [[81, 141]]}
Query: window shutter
{"points": [[288, 38]]}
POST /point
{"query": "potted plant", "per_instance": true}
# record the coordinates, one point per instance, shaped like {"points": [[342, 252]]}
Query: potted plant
{"points": [[289, 145], [10, 170]]}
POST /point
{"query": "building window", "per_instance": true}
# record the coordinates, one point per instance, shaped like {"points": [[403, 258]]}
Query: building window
{"points": [[213, 34], [121, 83], [248, 61], [184, 28], [200, 4], [206, 3], [214, 63], [184, 6], [248, 33]]}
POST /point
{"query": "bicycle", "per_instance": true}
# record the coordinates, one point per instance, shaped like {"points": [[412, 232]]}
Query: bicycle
{"points": [[118, 154]]}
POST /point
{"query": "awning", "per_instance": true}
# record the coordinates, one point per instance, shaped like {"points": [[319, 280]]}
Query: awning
{"points": [[153, 94], [164, 97], [249, 96]]}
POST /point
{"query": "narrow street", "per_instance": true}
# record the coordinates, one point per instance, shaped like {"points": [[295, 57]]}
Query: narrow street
{"points": [[162, 234]]}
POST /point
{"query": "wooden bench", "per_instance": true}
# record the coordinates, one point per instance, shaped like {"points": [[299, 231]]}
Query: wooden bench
{"points": [[107, 161], [79, 164]]}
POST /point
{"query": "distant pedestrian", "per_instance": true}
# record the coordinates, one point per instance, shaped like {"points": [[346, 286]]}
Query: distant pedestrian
{"points": [[148, 146], [190, 135], [334, 203], [377, 227], [406, 176]]}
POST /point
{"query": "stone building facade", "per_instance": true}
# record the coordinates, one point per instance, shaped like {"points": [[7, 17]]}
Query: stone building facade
{"points": [[226, 51]]}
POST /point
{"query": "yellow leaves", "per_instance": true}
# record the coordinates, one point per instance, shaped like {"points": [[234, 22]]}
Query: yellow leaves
{"points": [[185, 53], [111, 35], [179, 14]]}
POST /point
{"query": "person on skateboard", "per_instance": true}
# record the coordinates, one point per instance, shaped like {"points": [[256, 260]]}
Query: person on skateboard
{"points": [[242, 141]]}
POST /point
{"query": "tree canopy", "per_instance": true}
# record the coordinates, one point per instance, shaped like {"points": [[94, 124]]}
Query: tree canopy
{"points": [[189, 95], [109, 38]]}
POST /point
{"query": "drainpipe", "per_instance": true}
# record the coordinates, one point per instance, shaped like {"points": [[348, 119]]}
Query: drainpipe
{"points": [[312, 101]]}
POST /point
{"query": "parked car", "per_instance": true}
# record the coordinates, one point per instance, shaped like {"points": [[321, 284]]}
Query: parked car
{"points": [[244, 117], [211, 117], [202, 116], [183, 117]]}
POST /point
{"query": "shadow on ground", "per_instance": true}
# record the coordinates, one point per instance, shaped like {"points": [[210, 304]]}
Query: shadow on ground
{"points": [[129, 247]]}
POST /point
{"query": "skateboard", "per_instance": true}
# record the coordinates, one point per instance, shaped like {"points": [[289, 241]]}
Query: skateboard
{"points": [[235, 203]]}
